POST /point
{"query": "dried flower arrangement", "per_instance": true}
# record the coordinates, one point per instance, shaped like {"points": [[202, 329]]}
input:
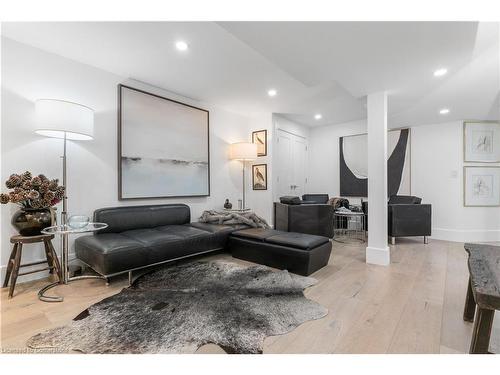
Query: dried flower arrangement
{"points": [[32, 192]]}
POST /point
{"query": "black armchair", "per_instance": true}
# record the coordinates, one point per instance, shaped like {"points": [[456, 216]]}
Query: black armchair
{"points": [[314, 219], [407, 217], [315, 198]]}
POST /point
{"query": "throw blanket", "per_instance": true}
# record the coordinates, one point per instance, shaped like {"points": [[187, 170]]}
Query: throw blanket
{"points": [[338, 202], [228, 218]]}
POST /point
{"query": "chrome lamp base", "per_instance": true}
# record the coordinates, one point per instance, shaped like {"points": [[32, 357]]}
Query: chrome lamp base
{"points": [[43, 297]]}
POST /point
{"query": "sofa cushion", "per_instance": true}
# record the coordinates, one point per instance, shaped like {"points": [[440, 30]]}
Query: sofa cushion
{"points": [[218, 228], [184, 231], [110, 242], [149, 237], [297, 240], [111, 252], [120, 219], [258, 234]]}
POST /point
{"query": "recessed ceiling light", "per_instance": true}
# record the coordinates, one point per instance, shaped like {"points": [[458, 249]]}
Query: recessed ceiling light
{"points": [[272, 92], [444, 111], [181, 45], [318, 116], [440, 72]]}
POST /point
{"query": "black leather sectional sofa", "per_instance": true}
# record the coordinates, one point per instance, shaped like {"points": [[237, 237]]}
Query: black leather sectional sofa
{"points": [[141, 236]]}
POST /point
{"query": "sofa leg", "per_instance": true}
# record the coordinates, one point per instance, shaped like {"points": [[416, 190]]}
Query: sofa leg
{"points": [[393, 240], [426, 240], [129, 278]]}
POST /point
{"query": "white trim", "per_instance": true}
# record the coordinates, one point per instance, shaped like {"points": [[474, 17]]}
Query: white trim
{"points": [[379, 256], [466, 235]]}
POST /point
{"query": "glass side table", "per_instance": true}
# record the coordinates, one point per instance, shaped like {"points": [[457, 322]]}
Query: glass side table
{"points": [[64, 231], [349, 227]]}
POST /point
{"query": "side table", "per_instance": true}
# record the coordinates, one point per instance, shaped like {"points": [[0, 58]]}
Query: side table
{"points": [[349, 227], [64, 231], [14, 263]]}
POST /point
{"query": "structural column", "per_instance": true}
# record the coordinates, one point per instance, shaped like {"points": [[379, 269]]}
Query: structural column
{"points": [[377, 251]]}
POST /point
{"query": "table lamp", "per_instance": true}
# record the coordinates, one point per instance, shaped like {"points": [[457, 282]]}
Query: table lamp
{"points": [[243, 151]]}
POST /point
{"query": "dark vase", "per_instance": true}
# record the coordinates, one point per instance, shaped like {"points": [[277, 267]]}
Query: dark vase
{"points": [[228, 205], [30, 221]]}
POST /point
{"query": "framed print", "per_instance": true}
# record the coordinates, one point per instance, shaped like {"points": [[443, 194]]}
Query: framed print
{"points": [[163, 147], [259, 177], [353, 164], [259, 137], [482, 141], [482, 186]]}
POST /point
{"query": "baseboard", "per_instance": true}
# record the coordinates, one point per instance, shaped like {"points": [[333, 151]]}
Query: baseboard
{"points": [[379, 256], [469, 235], [32, 276]]}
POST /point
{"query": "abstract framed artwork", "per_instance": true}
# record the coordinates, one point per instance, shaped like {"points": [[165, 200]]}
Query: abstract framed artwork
{"points": [[259, 177], [259, 137], [481, 186], [353, 156], [482, 141], [163, 147]]}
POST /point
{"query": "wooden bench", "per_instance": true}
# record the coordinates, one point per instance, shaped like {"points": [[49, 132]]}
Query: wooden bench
{"points": [[483, 291]]}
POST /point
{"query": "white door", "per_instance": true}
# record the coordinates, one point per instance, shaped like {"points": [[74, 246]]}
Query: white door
{"points": [[291, 161]]}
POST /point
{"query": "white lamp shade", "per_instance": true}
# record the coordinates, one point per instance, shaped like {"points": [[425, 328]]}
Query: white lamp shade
{"points": [[243, 151], [59, 119]]}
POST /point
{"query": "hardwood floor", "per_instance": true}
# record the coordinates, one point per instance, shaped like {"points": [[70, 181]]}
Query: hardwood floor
{"points": [[413, 306]]}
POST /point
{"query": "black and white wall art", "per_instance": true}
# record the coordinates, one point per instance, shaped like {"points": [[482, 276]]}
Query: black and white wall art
{"points": [[481, 186], [163, 147], [482, 141], [353, 157]]}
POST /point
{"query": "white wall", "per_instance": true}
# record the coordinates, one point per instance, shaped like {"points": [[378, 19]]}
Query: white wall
{"points": [[324, 155], [29, 74], [436, 176], [282, 123]]}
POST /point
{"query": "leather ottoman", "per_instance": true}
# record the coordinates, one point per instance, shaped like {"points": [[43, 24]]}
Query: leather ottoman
{"points": [[299, 253]]}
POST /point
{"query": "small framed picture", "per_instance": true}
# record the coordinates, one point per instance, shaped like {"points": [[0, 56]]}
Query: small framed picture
{"points": [[482, 141], [259, 137], [259, 177], [482, 186]]}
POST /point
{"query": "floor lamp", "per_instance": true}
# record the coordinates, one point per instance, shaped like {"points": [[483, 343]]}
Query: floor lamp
{"points": [[243, 151], [67, 121]]}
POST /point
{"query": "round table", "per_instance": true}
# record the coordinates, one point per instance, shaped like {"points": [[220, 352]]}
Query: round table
{"points": [[64, 231], [349, 226]]}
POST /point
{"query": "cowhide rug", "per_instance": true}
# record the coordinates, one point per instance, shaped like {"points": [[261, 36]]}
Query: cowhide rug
{"points": [[180, 308]]}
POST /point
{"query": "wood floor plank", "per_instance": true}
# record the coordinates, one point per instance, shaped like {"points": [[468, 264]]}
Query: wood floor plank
{"points": [[419, 329]]}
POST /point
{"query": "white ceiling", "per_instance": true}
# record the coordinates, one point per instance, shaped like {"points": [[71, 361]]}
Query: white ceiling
{"points": [[317, 67]]}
